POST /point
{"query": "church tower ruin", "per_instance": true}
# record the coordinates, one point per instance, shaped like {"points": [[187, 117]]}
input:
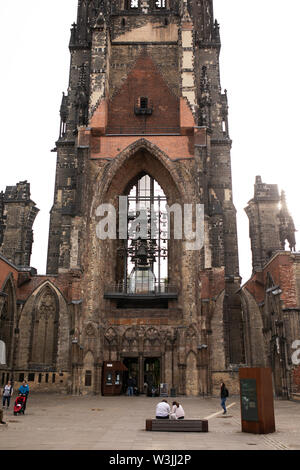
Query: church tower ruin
{"points": [[145, 118]]}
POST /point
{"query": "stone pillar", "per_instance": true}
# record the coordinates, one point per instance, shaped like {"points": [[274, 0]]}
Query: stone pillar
{"points": [[141, 372], [97, 378], [182, 376], [163, 367]]}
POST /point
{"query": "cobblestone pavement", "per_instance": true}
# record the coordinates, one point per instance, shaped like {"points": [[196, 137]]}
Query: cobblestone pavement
{"points": [[56, 422]]}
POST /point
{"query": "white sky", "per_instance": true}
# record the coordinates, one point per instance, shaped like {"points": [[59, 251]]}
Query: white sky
{"points": [[259, 68]]}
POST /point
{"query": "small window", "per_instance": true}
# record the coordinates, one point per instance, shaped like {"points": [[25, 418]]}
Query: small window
{"points": [[21, 377], [144, 103], [47, 378], [88, 378], [134, 3], [53, 378], [40, 378], [123, 22], [31, 377]]}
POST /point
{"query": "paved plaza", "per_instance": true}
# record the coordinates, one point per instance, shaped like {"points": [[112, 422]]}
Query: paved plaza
{"points": [[59, 422]]}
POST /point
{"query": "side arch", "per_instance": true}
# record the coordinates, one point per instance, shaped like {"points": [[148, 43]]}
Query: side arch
{"points": [[45, 314], [8, 318], [256, 347]]}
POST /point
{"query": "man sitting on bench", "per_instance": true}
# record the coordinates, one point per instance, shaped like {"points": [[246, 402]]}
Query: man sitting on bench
{"points": [[163, 410]]}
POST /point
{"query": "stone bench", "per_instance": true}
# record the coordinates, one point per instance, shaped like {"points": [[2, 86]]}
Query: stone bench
{"points": [[177, 425]]}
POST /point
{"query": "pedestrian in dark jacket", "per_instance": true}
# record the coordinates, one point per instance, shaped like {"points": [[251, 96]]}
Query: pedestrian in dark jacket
{"points": [[24, 390], [130, 384], [224, 395]]}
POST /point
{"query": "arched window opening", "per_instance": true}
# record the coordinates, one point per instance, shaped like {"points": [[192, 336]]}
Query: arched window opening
{"points": [[45, 330], [147, 244], [7, 320]]}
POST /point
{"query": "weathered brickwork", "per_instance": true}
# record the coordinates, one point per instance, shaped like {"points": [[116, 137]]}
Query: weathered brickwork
{"points": [[271, 305]]}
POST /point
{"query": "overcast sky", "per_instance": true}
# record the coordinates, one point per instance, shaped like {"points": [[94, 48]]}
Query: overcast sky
{"points": [[259, 68]]}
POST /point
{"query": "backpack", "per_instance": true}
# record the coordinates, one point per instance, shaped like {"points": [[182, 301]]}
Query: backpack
{"points": [[226, 392]]}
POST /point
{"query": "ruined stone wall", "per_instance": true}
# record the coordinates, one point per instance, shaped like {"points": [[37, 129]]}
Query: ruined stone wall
{"points": [[19, 213]]}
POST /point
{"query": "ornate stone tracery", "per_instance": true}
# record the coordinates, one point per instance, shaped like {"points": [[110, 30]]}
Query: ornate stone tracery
{"points": [[44, 340]]}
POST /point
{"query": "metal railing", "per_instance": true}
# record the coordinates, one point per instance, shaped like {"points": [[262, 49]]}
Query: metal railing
{"points": [[157, 288]]}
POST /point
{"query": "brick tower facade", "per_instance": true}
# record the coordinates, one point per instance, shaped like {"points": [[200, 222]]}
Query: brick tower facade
{"points": [[144, 123], [145, 101]]}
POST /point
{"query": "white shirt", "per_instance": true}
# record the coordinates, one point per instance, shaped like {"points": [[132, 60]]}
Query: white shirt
{"points": [[8, 391], [179, 412], [163, 409]]}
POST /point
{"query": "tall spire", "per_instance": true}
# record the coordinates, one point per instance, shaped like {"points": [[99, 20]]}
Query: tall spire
{"points": [[287, 226]]}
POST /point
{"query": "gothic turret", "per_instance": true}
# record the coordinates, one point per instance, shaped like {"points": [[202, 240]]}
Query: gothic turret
{"points": [[270, 223]]}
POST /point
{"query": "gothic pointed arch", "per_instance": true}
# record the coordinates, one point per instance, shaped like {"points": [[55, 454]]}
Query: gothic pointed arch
{"points": [[111, 344], [152, 340], [141, 156], [8, 317], [130, 340], [141, 159], [44, 333], [45, 311]]}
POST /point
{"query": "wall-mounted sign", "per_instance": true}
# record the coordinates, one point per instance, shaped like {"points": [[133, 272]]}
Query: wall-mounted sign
{"points": [[249, 400]]}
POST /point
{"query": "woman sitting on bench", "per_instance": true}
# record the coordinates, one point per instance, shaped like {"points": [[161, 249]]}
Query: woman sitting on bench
{"points": [[177, 411]]}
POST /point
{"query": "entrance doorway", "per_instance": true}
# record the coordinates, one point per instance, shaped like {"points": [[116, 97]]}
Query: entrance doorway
{"points": [[133, 371], [152, 375]]}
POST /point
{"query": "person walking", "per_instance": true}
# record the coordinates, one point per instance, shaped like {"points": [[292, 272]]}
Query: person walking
{"points": [[130, 386], [7, 394], [24, 390], [224, 395], [162, 410], [177, 410]]}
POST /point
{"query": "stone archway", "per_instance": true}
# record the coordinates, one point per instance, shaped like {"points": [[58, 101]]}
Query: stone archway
{"points": [[8, 319]]}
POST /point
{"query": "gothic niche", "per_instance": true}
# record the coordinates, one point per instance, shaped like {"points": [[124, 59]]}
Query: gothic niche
{"points": [[111, 342], [130, 340], [152, 341], [45, 329], [143, 264], [7, 320]]}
